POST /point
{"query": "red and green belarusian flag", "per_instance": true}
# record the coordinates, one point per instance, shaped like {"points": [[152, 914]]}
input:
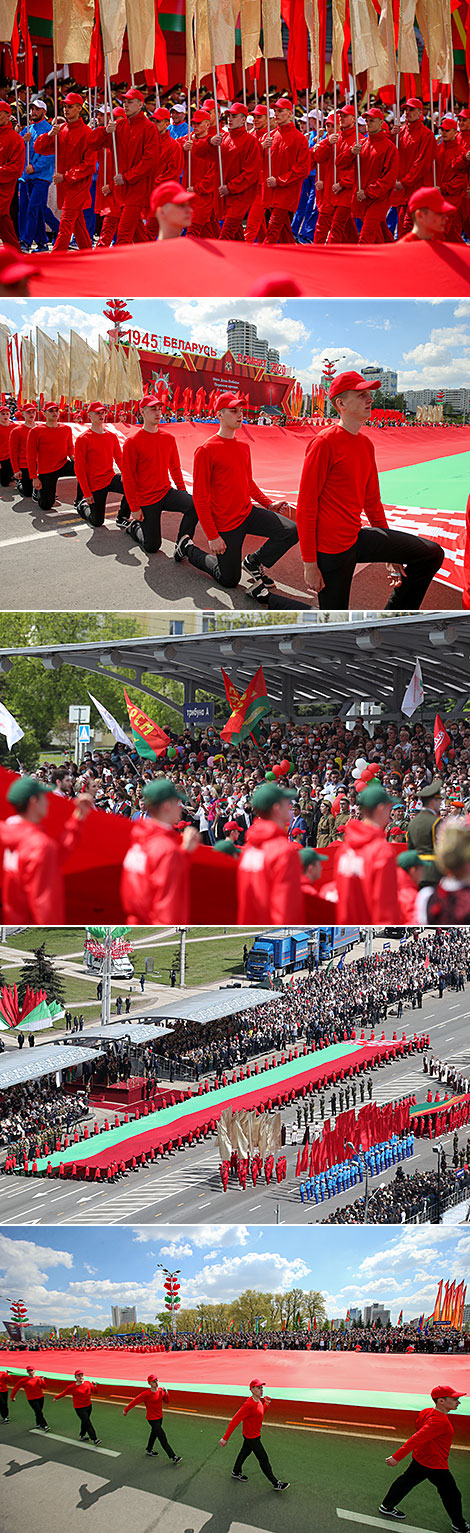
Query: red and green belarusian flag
{"points": [[150, 741], [36, 1012], [247, 713]]}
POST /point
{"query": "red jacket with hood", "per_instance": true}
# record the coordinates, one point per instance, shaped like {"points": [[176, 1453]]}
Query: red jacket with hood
{"points": [[33, 888], [269, 877], [366, 877], [155, 877]]}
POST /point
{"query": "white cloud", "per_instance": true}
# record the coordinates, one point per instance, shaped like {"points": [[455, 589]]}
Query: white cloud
{"points": [[346, 360], [63, 317], [206, 319], [200, 1235], [176, 1249]]}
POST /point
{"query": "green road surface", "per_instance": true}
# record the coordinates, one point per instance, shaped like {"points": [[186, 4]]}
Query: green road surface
{"points": [[47, 1485], [442, 484]]}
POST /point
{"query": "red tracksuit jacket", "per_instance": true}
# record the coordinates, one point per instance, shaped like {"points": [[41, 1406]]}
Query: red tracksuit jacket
{"points": [[269, 877], [155, 876], [416, 150], [153, 1401], [379, 171], [431, 1443], [138, 156], [203, 179], [250, 1415], [241, 167], [74, 163], [12, 159], [32, 887], [290, 164], [366, 877]]}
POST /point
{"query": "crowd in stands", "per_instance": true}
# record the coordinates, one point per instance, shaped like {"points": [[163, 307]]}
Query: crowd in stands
{"points": [[407, 1337]]}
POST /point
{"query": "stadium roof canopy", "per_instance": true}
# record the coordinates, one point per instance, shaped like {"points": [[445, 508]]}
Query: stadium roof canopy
{"points": [[307, 662], [214, 1004], [136, 1032], [30, 1065]]}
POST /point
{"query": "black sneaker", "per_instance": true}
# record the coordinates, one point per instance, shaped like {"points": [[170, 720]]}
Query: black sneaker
{"points": [[180, 549], [282, 1485], [239, 1476], [252, 564], [392, 1511], [261, 594], [178, 1458], [44, 1429], [464, 1529], [34, 494], [5, 1420], [83, 509], [122, 519], [134, 530], [151, 1453], [97, 1442]]}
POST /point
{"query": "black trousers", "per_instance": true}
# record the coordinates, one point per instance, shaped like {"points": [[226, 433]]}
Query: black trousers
{"points": [[281, 534], [99, 498], [6, 471], [254, 1445], [48, 489], [149, 533], [157, 1430], [4, 1404], [38, 1407], [26, 483], [86, 1425], [421, 557], [443, 1481]]}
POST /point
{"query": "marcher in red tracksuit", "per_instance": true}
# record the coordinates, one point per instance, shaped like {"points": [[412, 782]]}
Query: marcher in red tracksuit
{"points": [[410, 870], [107, 204], [452, 169], [153, 1399], [430, 1447], [241, 170], [464, 134], [155, 871], [366, 872], [6, 466], [81, 1390], [5, 1380], [32, 887], [199, 176], [12, 161], [138, 154], [416, 151], [49, 455], [74, 173], [290, 164], [323, 155], [269, 870], [169, 165], [33, 1386], [378, 160], [251, 1416], [343, 229], [255, 228], [19, 436]]}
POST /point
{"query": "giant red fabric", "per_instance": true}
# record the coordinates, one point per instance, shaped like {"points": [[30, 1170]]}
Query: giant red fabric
{"points": [[223, 269]]}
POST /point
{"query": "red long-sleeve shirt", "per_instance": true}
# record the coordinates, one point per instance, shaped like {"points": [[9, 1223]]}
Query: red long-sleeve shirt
{"points": [[345, 167], [269, 877], [48, 448], [75, 162], [153, 1401], [138, 156], [323, 155], [379, 168], [33, 1388], [339, 480], [12, 159], [431, 1443], [32, 887], [5, 442], [250, 1416], [81, 1393], [150, 460], [223, 485], [200, 162], [452, 169], [290, 164], [241, 169], [18, 449], [5, 1381], [155, 876], [171, 159], [416, 150], [366, 877], [96, 453]]}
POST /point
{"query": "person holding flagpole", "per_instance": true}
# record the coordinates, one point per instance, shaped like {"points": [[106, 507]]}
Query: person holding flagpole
{"points": [[74, 173], [12, 162]]}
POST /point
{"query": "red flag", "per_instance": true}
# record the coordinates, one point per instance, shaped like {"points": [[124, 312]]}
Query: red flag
{"points": [[441, 740], [21, 25]]}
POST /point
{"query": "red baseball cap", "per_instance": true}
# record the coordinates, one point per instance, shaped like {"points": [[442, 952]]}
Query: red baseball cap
{"points": [[73, 99], [374, 111], [430, 197], [152, 1378], [443, 1391], [414, 101], [96, 407], [169, 191], [238, 106], [448, 122], [348, 111], [200, 115], [29, 404], [261, 111], [257, 1384], [209, 104], [52, 406], [4, 107], [149, 399], [352, 382], [229, 401], [465, 113], [133, 94], [162, 114], [231, 825], [284, 103]]}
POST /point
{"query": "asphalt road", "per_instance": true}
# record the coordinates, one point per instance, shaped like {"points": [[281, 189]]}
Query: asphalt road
{"points": [[46, 552], [186, 1187], [337, 1477]]}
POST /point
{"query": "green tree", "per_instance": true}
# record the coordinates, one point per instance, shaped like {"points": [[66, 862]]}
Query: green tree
{"points": [[40, 973]]}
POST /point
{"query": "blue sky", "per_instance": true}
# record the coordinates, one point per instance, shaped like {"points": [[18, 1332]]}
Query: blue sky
{"points": [[73, 1275], [428, 342]]}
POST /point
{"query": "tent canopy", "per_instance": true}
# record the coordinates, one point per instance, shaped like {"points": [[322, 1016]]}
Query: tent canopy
{"points": [[30, 1065], [137, 1032], [212, 1005]]}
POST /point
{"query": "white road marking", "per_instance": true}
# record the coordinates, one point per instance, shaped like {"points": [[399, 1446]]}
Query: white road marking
{"points": [[54, 1436], [378, 1522]]}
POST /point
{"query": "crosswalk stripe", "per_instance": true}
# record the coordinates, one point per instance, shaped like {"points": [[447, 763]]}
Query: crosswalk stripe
{"points": [[54, 1437], [378, 1522]]}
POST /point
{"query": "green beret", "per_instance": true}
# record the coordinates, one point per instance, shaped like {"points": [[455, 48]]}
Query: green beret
{"points": [[410, 860], [374, 795], [160, 790], [309, 854], [24, 789], [267, 795]]}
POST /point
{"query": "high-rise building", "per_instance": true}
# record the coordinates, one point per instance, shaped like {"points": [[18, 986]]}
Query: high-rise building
{"points": [[373, 1312], [388, 379], [125, 1316], [243, 340]]}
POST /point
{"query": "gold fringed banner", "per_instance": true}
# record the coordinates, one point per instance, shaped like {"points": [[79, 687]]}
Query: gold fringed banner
{"points": [[339, 19], [433, 17], [250, 24], [72, 27], [272, 34], [140, 34], [408, 61], [385, 72], [113, 26]]}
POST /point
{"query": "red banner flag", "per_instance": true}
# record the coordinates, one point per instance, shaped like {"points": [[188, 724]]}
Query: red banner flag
{"points": [[150, 741], [441, 740]]}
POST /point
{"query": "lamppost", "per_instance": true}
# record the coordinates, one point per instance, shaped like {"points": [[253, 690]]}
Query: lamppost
{"points": [[437, 1150], [356, 1156], [172, 1292], [329, 372]]}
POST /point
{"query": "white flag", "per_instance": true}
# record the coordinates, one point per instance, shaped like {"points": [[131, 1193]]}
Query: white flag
{"points": [[414, 694], [111, 723], [10, 727]]}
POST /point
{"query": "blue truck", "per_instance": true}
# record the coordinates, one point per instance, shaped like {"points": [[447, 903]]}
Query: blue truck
{"points": [[283, 951]]}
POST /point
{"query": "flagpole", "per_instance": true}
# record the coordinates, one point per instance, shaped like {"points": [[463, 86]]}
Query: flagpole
{"points": [[27, 124], [56, 110], [356, 123], [335, 110], [266, 85], [216, 104], [108, 82], [432, 126]]}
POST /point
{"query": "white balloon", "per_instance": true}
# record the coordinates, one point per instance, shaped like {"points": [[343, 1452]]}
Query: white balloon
{"points": [[356, 773], [361, 762]]}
